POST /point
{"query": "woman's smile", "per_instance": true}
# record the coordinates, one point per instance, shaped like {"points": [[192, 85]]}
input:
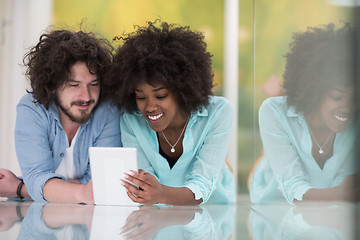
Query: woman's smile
{"points": [[155, 117]]}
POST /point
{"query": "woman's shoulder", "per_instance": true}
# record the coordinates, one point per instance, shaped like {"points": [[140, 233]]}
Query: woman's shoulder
{"points": [[133, 120], [275, 104], [218, 102], [279, 101], [136, 116]]}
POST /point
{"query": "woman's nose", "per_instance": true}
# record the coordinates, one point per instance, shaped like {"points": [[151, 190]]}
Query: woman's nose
{"points": [[150, 106]]}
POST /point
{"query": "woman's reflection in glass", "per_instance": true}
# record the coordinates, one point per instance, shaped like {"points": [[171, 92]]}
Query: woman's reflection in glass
{"points": [[308, 134]]}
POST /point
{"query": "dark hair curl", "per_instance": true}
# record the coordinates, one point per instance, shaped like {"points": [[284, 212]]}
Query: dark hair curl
{"points": [[49, 62], [319, 59], [170, 55]]}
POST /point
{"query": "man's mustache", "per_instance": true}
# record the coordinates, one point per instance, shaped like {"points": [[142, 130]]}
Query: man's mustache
{"points": [[80, 102]]}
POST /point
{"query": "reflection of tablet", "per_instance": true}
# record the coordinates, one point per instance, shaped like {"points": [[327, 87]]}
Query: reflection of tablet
{"points": [[108, 165], [108, 221]]}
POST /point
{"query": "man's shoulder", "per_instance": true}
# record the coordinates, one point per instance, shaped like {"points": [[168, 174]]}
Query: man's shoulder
{"points": [[106, 109], [29, 101]]}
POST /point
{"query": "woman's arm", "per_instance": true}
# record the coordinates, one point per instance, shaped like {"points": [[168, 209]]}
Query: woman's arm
{"points": [[211, 138], [282, 135], [347, 191], [152, 192]]}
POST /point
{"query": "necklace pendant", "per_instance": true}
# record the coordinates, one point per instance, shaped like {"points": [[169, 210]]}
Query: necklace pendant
{"points": [[321, 151], [172, 150]]}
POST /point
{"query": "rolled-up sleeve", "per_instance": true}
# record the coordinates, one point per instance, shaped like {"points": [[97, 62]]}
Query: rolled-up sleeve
{"points": [[280, 151], [33, 149], [210, 158]]}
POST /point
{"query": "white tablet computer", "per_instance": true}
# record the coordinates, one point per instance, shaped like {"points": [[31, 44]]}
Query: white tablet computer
{"points": [[108, 165]]}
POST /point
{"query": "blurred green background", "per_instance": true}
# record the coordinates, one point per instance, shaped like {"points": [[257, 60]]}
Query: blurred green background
{"points": [[265, 30]]}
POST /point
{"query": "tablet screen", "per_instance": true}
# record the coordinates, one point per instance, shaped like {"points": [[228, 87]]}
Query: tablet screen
{"points": [[108, 165]]}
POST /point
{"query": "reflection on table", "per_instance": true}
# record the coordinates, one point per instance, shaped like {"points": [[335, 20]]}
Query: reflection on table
{"points": [[30, 220], [305, 221]]}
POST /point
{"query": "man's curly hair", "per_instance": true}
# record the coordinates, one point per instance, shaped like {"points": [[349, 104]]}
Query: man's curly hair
{"points": [[319, 59], [49, 62], [170, 55]]}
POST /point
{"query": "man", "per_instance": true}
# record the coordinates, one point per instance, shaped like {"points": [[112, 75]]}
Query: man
{"points": [[65, 113]]}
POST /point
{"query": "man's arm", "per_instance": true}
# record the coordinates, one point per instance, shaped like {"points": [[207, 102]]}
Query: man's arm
{"points": [[58, 191], [9, 184]]}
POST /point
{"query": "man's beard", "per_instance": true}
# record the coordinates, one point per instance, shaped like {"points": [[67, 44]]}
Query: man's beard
{"points": [[85, 115]]}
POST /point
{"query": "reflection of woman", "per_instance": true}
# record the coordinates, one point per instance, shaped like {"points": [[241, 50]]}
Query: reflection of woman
{"points": [[307, 134], [283, 221], [149, 222], [163, 79], [179, 222]]}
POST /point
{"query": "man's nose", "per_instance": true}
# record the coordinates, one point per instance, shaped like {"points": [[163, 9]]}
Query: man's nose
{"points": [[85, 94]]}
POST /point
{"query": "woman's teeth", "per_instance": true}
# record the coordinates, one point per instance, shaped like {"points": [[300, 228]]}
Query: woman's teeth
{"points": [[156, 117], [342, 119]]}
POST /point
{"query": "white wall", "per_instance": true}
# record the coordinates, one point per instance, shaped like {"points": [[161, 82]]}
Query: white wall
{"points": [[21, 24], [231, 43]]}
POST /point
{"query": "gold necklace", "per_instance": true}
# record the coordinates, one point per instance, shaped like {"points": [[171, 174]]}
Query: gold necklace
{"points": [[173, 146], [321, 151]]}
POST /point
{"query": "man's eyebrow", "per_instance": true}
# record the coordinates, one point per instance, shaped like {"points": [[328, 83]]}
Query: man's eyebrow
{"points": [[72, 80], [75, 81]]}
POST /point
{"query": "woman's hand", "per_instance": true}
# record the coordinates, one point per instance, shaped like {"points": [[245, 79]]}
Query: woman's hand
{"points": [[150, 190], [350, 187], [141, 225], [349, 191]]}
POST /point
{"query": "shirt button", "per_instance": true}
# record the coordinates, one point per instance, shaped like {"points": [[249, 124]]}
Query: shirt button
{"points": [[61, 154]]}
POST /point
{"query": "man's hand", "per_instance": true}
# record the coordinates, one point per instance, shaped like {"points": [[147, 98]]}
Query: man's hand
{"points": [[8, 183]]}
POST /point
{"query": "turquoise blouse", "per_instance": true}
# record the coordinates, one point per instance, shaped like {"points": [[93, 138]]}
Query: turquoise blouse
{"points": [[288, 168], [201, 167]]}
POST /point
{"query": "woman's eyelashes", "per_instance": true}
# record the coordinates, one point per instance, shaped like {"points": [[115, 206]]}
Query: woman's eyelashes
{"points": [[140, 98], [160, 97], [335, 97]]}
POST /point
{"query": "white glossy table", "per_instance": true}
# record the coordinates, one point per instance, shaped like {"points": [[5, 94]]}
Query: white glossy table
{"points": [[30, 220]]}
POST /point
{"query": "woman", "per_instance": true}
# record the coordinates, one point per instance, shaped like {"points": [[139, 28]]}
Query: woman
{"points": [[308, 135], [163, 82]]}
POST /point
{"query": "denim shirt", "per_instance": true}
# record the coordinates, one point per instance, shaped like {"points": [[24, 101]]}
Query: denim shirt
{"points": [[201, 167], [40, 141]]}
